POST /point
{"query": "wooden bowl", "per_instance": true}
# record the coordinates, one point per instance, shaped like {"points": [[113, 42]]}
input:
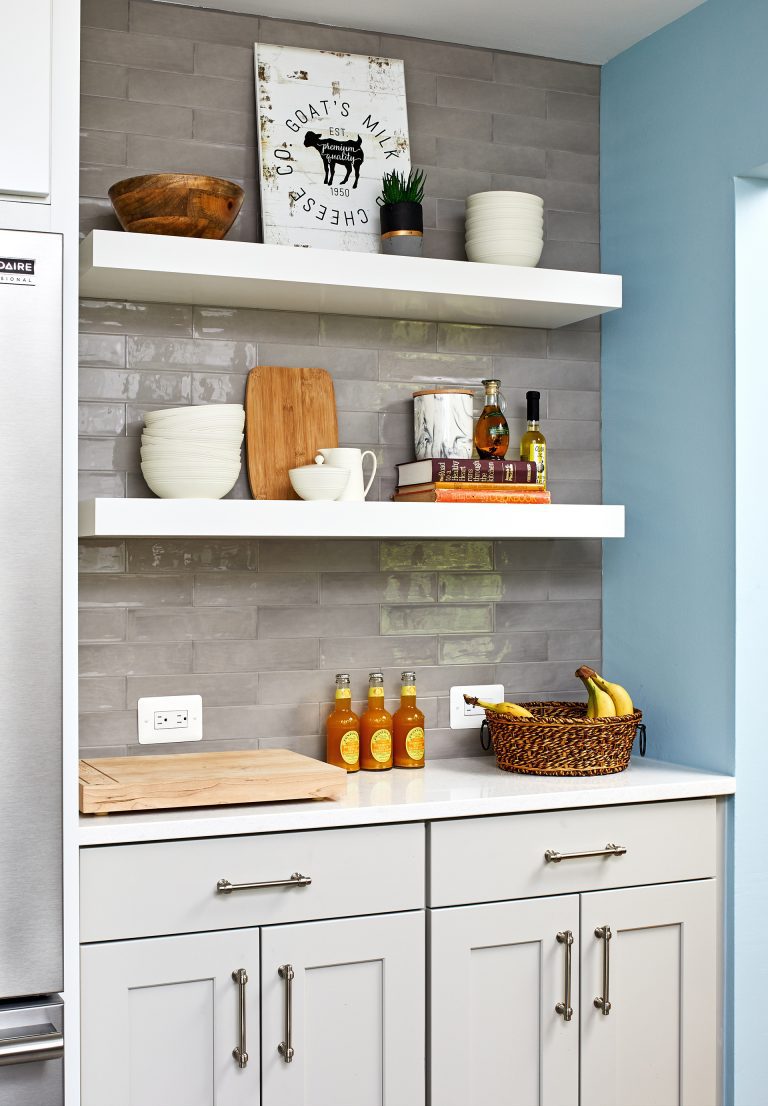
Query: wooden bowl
{"points": [[177, 203]]}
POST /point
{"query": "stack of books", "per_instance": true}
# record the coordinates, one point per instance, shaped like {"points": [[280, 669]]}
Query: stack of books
{"points": [[445, 480]]}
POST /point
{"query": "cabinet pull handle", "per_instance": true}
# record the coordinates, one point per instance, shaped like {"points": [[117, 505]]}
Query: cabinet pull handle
{"points": [[240, 1051], [564, 1008], [285, 1048], [602, 1002], [553, 857], [224, 887]]}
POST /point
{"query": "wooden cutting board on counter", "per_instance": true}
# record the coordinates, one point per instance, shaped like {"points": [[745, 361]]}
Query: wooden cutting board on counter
{"points": [[289, 415], [111, 784]]}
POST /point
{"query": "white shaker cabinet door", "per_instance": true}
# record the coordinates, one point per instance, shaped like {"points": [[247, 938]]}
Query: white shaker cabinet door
{"points": [[160, 1020], [498, 975], [657, 1043], [25, 94], [347, 996]]}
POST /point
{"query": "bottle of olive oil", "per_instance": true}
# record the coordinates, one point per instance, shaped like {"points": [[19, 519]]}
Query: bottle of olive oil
{"points": [[408, 723], [491, 428], [533, 446], [376, 728], [343, 729]]}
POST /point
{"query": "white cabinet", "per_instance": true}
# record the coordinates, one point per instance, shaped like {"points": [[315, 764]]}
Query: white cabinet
{"points": [[25, 93], [499, 980], [355, 991], [162, 1018], [658, 1043], [497, 974], [516, 954]]}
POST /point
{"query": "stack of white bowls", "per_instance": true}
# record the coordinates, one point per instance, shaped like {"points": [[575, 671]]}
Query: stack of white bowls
{"points": [[192, 452], [505, 228]]}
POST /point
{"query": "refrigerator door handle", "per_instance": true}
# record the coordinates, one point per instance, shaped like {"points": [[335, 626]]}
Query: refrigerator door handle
{"points": [[31, 1044]]}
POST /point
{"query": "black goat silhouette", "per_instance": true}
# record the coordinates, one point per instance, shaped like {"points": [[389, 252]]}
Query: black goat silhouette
{"points": [[337, 152]]}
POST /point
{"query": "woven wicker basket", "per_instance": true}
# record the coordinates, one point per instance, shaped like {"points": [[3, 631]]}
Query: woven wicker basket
{"points": [[561, 741]]}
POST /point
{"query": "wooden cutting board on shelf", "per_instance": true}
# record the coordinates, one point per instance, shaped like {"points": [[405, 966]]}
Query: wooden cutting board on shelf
{"points": [[289, 415], [110, 784]]}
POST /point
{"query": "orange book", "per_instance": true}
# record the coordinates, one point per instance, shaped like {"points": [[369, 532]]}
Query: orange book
{"points": [[472, 487], [462, 495]]}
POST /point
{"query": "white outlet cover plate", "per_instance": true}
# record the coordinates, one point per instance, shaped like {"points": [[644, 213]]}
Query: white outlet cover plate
{"points": [[193, 731], [464, 717]]}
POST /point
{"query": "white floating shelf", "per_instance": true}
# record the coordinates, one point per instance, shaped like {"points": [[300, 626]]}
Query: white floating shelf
{"points": [[202, 518], [164, 269]]}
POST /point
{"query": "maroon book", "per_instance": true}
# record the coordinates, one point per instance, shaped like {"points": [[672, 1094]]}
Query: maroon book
{"points": [[469, 471]]}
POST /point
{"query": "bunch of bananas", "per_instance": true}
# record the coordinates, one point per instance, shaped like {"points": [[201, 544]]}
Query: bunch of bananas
{"points": [[499, 708], [606, 700]]}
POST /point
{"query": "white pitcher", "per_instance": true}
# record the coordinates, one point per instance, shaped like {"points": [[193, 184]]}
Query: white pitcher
{"points": [[352, 460]]}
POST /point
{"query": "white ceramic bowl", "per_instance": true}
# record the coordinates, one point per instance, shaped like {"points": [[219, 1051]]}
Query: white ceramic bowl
{"points": [[225, 438], [504, 199], [228, 412], [187, 453], [203, 469], [497, 222], [181, 487], [505, 207], [200, 426], [485, 214], [491, 241], [318, 481], [527, 258]]}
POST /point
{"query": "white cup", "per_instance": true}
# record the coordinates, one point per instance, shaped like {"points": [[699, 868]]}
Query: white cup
{"points": [[352, 460]]}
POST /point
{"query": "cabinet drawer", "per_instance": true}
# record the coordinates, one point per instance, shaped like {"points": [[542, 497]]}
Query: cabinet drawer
{"points": [[490, 859], [171, 887]]}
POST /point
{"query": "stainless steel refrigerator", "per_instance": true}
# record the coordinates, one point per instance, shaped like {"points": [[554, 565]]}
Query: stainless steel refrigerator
{"points": [[31, 1011]]}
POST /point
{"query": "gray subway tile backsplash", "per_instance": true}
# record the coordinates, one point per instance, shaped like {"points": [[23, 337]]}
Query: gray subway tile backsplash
{"points": [[133, 49], [260, 627]]}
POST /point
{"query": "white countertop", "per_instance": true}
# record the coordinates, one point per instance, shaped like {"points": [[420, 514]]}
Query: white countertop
{"points": [[457, 788]]}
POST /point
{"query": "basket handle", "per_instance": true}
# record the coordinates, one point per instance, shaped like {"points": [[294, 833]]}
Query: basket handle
{"points": [[485, 735]]}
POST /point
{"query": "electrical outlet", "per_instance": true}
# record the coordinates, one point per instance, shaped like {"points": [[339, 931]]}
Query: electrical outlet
{"points": [[170, 718], [465, 717]]}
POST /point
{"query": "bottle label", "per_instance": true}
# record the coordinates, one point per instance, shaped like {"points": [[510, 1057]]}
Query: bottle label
{"points": [[537, 453], [375, 692], [414, 743], [349, 746], [408, 689], [381, 746], [343, 693]]}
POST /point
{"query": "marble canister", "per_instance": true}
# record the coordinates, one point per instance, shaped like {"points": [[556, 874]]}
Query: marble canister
{"points": [[442, 423]]}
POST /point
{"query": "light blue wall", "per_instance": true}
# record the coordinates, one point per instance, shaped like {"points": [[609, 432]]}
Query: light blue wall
{"points": [[684, 112]]}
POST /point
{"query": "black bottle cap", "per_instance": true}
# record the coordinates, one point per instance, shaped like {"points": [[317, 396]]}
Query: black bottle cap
{"points": [[532, 399]]}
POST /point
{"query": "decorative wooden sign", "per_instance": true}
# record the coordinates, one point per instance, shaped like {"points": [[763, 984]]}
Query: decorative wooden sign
{"points": [[330, 125]]}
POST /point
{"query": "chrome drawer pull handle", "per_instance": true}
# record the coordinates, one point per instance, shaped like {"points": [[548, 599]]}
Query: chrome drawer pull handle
{"points": [[602, 1002], [31, 1044], [564, 1008], [224, 887], [552, 857], [240, 1051], [285, 1048]]}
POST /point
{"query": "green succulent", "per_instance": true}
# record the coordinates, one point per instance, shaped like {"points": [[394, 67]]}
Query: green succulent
{"points": [[396, 188]]}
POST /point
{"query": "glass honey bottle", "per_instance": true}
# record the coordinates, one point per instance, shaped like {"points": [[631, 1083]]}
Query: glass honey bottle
{"points": [[342, 729], [376, 728], [491, 428], [408, 724]]}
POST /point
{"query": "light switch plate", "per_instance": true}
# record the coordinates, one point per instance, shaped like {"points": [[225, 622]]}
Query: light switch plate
{"points": [[464, 717], [170, 718]]}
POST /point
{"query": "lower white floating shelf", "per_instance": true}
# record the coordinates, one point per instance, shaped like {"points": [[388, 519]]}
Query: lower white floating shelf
{"points": [[202, 518]]}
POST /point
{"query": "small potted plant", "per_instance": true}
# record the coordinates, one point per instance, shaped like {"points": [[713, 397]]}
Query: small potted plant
{"points": [[402, 222]]}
